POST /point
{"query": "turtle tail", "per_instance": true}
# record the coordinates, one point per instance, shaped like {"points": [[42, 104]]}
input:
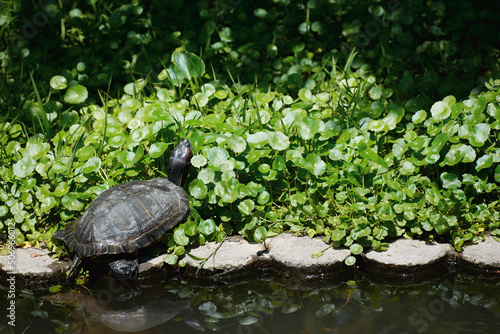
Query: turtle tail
{"points": [[67, 236]]}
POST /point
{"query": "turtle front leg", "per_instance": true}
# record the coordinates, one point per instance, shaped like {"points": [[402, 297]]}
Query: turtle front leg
{"points": [[125, 267]]}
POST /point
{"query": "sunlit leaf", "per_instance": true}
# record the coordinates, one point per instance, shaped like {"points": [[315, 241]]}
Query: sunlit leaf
{"points": [[484, 162], [440, 111], [198, 189], [450, 181], [308, 128], [24, 167], [185, 66], [76, 94], [58, 82], [71, 202], [278, 141], [237, 143], [246, 207], [157, 149], [258, 139], [207, 227]]}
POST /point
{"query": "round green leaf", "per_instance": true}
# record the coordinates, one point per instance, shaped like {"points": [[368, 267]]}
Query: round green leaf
{"points": [[497, 174], [246, 207], [133, 88], [450, 181], [237, 143], [279, 163], [208, 89], [3, 210], [24, 167], [36, 150], [207, 227], [198, 161], [338, 234], [76, 94], [217, 155], [260, 234], [190, 228], [199, 99], [315, 164], [308, 128], [157, 149], [180, 237], [198, 189], [264, 97], [484, 162], [185, 66], [408, 168], [264, 168], [377, 125], [287, 309], [61, 189], [278, 141], [305, 95], [350, 260], [258, 139], [117, 140], [263, 197], [92, 165], [58, 82], [419, 117], [71, 202], [126, 158], [469, 154], [356, 249], [375, 93], [170, 259], [482, 133], [440, 111], [220, 94]]}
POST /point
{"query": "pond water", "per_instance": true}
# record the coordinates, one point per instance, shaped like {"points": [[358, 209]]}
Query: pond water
{"points": [[455, 304]]}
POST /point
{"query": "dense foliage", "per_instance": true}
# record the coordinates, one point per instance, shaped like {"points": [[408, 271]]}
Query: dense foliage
{"points": [[359, 121]]}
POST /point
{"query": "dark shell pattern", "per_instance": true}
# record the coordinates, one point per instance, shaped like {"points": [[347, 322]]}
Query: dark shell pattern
{"points": [[128, 217]]}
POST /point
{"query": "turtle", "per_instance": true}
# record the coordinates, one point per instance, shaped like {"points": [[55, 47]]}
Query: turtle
{"points": [[130, 216]]}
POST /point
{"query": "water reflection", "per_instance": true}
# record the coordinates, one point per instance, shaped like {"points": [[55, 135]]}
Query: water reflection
{"points": [[455, 304], [135, 319]]}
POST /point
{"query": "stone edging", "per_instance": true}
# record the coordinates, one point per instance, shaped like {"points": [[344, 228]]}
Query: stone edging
{"points": [[287, 259]]}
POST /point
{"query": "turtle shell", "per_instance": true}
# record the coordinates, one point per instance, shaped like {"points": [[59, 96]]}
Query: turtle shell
{"points": [[127, 217]]}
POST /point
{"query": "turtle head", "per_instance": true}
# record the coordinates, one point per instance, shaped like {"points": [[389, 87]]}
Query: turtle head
{"points": [[180, 162]]}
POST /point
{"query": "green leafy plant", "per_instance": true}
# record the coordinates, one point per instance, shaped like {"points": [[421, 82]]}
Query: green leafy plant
{"points": [[293, 129]]}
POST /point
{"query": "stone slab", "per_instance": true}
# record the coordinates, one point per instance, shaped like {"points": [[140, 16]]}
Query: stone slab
{"points": [[408, 261], [285, 258], [409, 253], [482, 258], [34, 266], [486, 252], [296, 252], [233, 254]]}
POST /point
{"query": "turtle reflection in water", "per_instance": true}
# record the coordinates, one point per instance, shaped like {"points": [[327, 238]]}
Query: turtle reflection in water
{"points": [[135, 319], [131, 216]]}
